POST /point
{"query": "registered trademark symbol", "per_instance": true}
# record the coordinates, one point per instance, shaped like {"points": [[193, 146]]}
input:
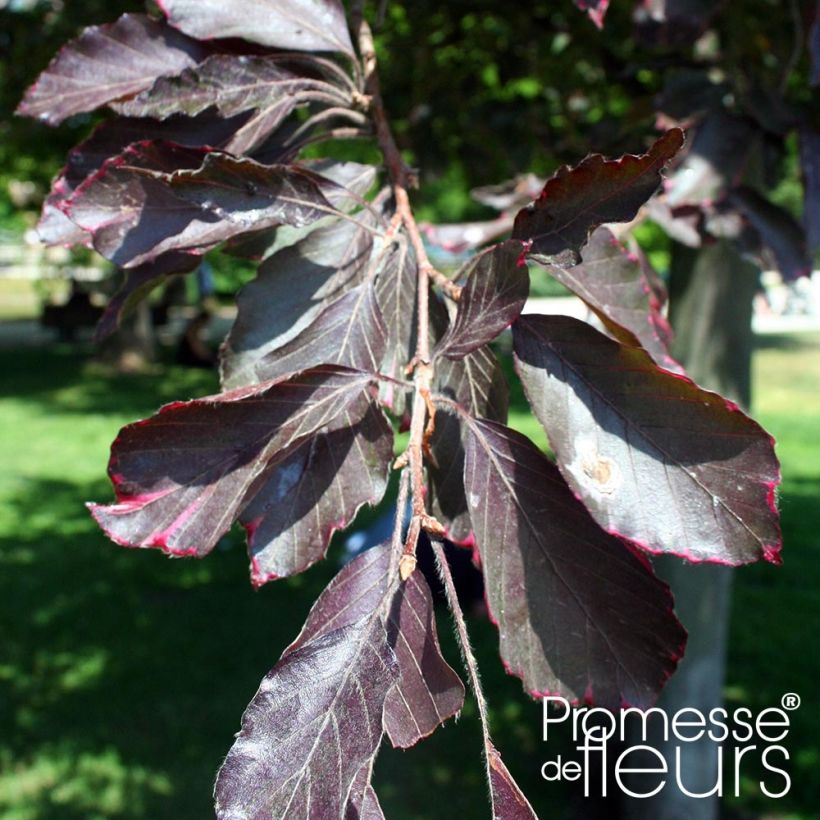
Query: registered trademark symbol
{"points": [[790, 701]]}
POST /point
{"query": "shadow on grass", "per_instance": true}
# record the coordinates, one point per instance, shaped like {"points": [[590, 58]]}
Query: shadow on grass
{"points": [[124, 673]]}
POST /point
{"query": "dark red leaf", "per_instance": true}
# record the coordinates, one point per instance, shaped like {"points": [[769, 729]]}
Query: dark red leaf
{"points": [[596, 9], [184, 475], [306, 25], [779, 231], [429, 691], [621, 290], [578, 613], [654, 457], [109, 139], [107, 63], [292, 288], [315, 491], [314, 724], [576, 200], [349, 331], [178, 201], [477, 383], [233, 84], [508, 801], [496, 287]]}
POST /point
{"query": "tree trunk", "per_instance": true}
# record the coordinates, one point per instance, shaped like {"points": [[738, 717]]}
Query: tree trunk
{"points": [[711, 293]]}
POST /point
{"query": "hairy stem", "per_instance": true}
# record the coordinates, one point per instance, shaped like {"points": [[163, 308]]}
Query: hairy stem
{"points": [[461, 631]]}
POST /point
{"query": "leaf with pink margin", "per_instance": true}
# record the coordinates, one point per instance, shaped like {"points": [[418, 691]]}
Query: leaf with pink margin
{"points": [[107, 63], [302, 25], [496, 288], [183, 476], [107, 140], [157, 197], [622, 292], [576, 200], [655, 458], [553, 578], [313, 492], [429, 691]]}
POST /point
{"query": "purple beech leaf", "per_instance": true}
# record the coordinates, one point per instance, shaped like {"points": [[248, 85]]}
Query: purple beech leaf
{"points": [[655, 458], [576, 200], [458, 237], [253, 195], [344, 185], [158, 197], [139, 282], [315, 491], [349, 331], [508, 801], [496, 287], [233, 84], [617, 287], [779, 231], [184, 475], [109, 139], [292, 287], [810, 166], [477, 383], [596, 9], [512, 194], [304, 25], [362, 802], [396, 277], [555, 580], [314, 724], [429, 691], [106, 63]]}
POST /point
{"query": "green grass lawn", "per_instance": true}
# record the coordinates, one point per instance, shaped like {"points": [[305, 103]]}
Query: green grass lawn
{"points": [[123, 674]]}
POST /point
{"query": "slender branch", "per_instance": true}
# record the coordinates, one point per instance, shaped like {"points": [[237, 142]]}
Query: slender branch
{"points": [[461, 631], [401, 178], [327, 114]]}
